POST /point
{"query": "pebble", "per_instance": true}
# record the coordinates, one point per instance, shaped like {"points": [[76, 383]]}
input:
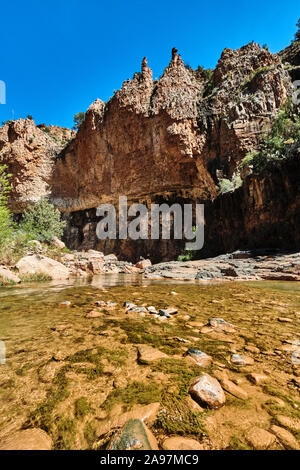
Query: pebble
{"points": [[181, 443], [66, 303], [252, 349], [258, 379], [221, 324], [240, 360], [147, 354], [284, 320]]}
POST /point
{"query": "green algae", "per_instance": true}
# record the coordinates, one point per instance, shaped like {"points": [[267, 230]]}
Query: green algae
{"points": [[82, 407], [135, 393], [176, 417]]}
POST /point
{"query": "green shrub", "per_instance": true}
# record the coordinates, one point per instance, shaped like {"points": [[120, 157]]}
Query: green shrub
{"points": [[43, 222], [226, 185], [186, 256], [281, 142], [5, 214]]}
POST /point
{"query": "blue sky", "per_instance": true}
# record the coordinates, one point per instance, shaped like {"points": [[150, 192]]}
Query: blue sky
{"points": [[57, 57]]}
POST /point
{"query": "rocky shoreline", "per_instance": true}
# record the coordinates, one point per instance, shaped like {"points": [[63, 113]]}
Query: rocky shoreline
{"points": [[240, 265]]}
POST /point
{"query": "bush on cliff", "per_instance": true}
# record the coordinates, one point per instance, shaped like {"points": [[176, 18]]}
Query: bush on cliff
{"points": [[282, 141], [43, 222], [6, 225]]}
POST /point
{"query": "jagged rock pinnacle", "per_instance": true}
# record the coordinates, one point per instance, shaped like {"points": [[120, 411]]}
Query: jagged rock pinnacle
{"points": [[146, 71], [176, 58]]}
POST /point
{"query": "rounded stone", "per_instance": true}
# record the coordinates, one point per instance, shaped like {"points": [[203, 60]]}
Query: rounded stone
{"points": [[201, 358], [208, 391], [181, 443]]}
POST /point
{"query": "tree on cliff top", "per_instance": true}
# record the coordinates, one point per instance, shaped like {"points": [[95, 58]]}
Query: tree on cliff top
{"points": [[297, 35], [78, 120]]}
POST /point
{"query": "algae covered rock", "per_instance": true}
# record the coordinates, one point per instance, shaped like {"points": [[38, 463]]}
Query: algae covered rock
{"points": [[133, 436]]}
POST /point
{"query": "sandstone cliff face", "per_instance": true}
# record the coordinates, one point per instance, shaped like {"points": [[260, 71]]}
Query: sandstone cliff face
{"points": [[154, 141], [158, 138], [143, 142], [30, 153]]}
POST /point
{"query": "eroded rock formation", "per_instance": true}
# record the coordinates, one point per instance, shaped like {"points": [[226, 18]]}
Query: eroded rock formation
{"points": [[29, 151], [155, 141]]}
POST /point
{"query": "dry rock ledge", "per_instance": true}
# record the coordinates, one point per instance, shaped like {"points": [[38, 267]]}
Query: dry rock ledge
{"points": [[239, 265]]}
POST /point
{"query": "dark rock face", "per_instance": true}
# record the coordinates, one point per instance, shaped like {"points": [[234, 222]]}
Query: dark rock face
{"points": [[264, 212]]}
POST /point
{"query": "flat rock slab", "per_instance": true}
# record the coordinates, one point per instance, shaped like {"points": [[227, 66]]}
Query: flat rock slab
{"points": [[260, 439], [133, 436], [206, 390], [27, 439], [234, 389], [181, 443], [201, 358], [285, 437], [289, 422], [147, 354]]}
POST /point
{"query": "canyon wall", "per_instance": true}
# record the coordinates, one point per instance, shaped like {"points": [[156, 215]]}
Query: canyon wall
{"points": [[164, 140]]}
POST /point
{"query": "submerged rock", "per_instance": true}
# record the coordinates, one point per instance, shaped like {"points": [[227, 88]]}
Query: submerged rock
{"points": [[241, 360], [147, 354], [152, 310], [27, 439], [133, 436], [181, 443], [221, 324], [285, 437], [201, 358], [164, 313], [259, 438], [94, 314], [208, 391]]}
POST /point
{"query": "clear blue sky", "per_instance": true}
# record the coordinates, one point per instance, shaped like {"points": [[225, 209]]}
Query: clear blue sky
{"points": [[57, 57]]}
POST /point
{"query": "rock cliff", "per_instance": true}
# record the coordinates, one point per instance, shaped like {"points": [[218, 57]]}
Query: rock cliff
{"points": [[161, 140], [30, 151]]}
